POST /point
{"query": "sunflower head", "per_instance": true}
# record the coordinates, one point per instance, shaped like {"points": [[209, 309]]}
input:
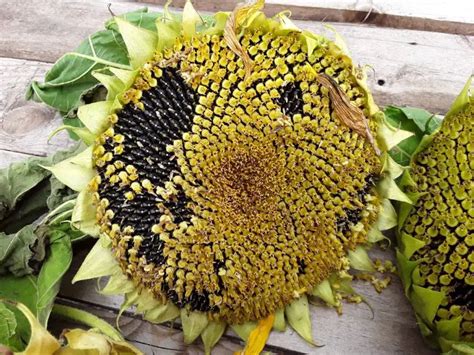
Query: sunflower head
{"points": [[437, 233], [237, 168]]}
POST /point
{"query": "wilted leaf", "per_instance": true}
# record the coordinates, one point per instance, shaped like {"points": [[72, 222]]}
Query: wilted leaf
{"points": [[19, 251], [17, 180], [38, 292]]}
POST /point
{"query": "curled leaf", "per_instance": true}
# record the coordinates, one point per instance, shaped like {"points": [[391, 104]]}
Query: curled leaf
{"points": [[41, 341]]}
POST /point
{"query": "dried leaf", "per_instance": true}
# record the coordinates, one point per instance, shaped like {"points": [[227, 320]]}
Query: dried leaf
{"points": [[237, 18], [350, 115]]}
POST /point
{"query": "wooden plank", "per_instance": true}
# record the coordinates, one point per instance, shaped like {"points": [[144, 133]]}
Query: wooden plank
{"points": [[39, 39], [392, 328], [25, 126], [437, 15]]}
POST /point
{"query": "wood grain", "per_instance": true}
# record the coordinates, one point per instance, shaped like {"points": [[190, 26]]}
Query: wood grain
{"points": [[25, 126]]}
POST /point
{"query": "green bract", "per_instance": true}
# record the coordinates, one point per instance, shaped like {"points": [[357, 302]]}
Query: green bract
{"points": [[236, 166], [435, 253]]}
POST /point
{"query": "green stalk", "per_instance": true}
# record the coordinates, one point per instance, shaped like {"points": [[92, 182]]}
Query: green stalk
{"points": [[88, 319]]}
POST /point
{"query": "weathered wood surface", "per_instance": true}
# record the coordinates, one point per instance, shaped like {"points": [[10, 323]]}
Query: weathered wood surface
{"points": [[425, 15], [410, 67]]}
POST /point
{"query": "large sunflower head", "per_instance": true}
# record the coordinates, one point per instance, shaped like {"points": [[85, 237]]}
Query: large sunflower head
{"points": [[238, 167], [437, 232]]}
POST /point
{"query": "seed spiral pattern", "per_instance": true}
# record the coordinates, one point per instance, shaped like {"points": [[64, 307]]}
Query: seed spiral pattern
{"points": [[444, 218], [231, 194]]}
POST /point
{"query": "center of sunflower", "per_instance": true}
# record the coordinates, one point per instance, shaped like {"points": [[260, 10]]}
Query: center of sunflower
{"points": [[245, 183], [227, 193]]}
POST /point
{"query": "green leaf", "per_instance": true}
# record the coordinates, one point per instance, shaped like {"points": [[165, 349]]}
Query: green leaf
{"points": [[190, 19], [389, 136], [84, 214], [462, 100], [7, 325], [99, 262], [71, 76], [117, 284], [360, 260], [389, 189], [94, 116], [244, 330], [59, 194], [38, 292], [298, 316], [162, 313], [141, 43], [324, 292], [426, 302], [279, 324], [75, 172], [146, 300], [410, 245], [449, 328], [25, 191], [417, 121], [193, 324], [17, 180], [405, 270], [49, 278], [387, 216], [211, 335]]}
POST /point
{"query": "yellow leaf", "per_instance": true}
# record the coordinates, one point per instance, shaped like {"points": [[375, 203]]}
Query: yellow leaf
{"points": [[41, 342]]}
